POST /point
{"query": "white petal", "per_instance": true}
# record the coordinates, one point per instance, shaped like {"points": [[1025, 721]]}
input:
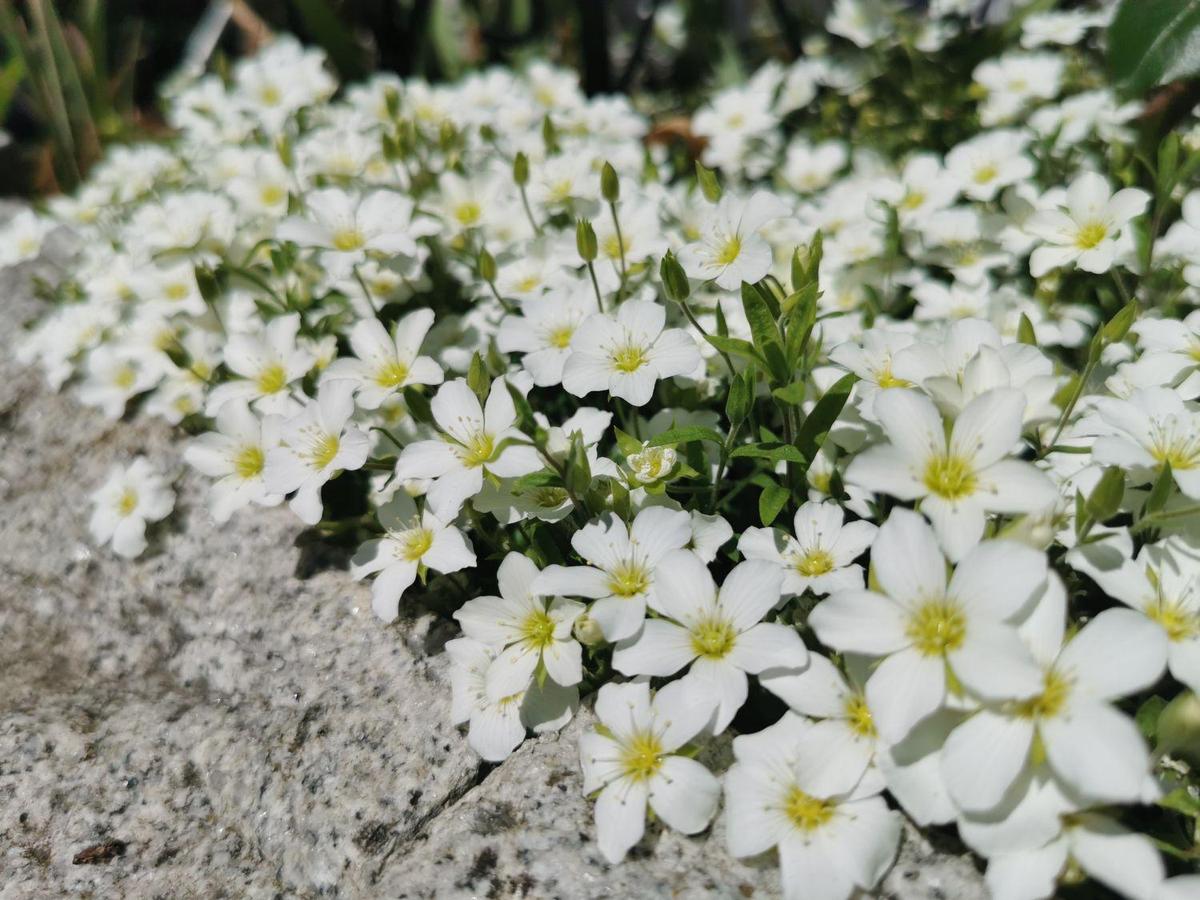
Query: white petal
{"points": [[684, 794], [1118, 653], [661, 648], [620, 818], [903, 690], [983, 757], [1096, 750], [860, 622]]}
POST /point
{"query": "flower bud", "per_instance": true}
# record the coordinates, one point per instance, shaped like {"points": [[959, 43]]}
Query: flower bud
{"points": [[487, 266], [674, 279], [587, 631], [1179, 728], [521, 169], [585, 240], [610, 185]]}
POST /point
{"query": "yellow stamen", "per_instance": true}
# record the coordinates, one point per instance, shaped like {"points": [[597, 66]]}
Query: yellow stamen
{"points": [[951, 477], [713, 639], [641, 758], [628, 580], [272, 379], [806, 812], [248, 462], [1090, 235], [937, 627]]}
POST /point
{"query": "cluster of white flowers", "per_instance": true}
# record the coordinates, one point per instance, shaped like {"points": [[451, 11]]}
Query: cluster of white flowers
{"points": [[555, 362]]}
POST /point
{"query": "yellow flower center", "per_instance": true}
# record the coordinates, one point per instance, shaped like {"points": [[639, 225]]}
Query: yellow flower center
{"points": [[272, 379], [885, 379], [548, 497], [125, 377], [641, 758], [858, 716], [729, 251], [937, 627], [528, 283], [913, 200], [813, 563], [270, 95], [467, 213], [478, 450], [1050, 702], [323, 450], [628, 580], [613, 247], [560, 338], [984, 174], [415, 543], [347, 239], [271, 194], [1179, 623], [391, 374], [805, 811], [951, 477], [1090, 235], [628, 359], [176, 291], [127, 502], [713, 639], [538, 629], [248, 462]]}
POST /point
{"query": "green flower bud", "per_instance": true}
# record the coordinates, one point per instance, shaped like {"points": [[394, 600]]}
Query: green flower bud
{"points": [[521, 169], [674, 279], [585, 240], [610, 185]]}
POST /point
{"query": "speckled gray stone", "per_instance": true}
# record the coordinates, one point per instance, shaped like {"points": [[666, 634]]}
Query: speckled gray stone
{"points": [[225, 718]]}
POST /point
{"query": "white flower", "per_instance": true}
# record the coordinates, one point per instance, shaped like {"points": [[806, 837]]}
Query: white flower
{"points": [[1162, 583], [1150, 429], [410, 543], [1070, 724], [129, 499], [788, 790], [496, 727], [627, 355], [22, 237], [385, 363], [315, 445], [926, 629], [542, 332], [820, 557], [821, 692], [630, 759], [477, 439], [1086, 233], [957, 479], [731, 250], [348, 228], [115, 375], [621, 567], [990, 161], [268, 363], [235, 454], [720, 634], [529, 630]]}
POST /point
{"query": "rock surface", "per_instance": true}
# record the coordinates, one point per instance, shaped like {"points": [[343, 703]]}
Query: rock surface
{"points": [[225, 718]]}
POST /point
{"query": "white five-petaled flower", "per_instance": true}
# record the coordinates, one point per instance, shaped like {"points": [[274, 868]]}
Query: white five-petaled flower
{"points": [[410, 541], [1152, 428], [315, 445], [476, 439], [542, 332], [719, 633], [129, 499], [1070, 724], [926, 628], [384, 363], [528, 630], [731, 250], [791, 789], [957, 479], [1087, 232], [496, 727], [630, 758], [267, 364], [347, 227], [628, 354], [820, 556], [235, 454], [1162, 582], [621, 568]]}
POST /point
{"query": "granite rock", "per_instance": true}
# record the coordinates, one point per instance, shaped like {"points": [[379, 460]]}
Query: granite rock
{"points": [[225, 718]]}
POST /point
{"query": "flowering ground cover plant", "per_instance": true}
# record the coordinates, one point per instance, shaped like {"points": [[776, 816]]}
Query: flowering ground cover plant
{"points": [[872, 439]]}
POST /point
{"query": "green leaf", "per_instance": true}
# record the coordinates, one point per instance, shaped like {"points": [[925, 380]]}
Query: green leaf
{"points": [[816, 426], [708, 183], [792, 394], [736, 347], [741, 396], [775, 451], [543, 478], [765, 330], [1105, 498], [478, 379], [1152, 41], [579, 471], [1147, 717], [1025, 332], [771, 502], [1157, 498], [1182, 801], [627, 443], [685, 435]]}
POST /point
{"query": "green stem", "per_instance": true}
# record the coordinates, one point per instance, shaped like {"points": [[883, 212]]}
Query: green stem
{"points": [[596, 286], [612, 208]]}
